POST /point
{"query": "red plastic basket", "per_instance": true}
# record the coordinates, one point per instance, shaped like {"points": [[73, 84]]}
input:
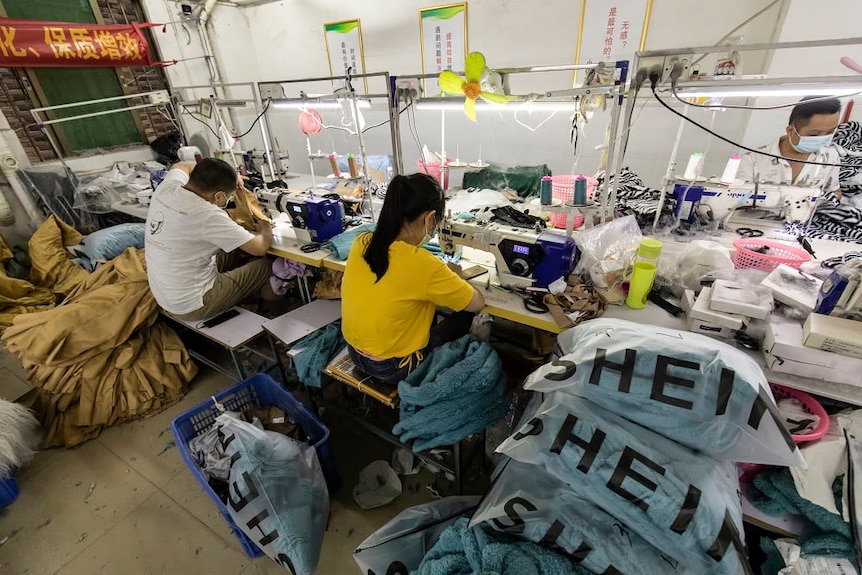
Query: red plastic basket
{"points": [[809, 404], [433, 170], [563, 189], [778, 253]]}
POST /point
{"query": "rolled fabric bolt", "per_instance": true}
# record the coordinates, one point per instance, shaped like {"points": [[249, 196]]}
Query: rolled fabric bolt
{"points": [[580, 196], [695, 165], [351, 166], [546, 197], [731, 169]]}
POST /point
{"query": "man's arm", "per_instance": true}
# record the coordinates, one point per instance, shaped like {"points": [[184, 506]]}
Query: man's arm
{"points": [[259, 244]]}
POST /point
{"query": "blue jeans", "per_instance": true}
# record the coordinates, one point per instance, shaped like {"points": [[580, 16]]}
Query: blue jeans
{"points": [[396, 369]]}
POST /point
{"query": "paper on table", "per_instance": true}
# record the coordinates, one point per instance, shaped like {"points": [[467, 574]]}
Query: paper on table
{"points": [[809, 565]]}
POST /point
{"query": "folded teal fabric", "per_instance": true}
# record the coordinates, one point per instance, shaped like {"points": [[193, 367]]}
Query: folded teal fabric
{"points": [[318, 349], [460, 389], [462, 550]]}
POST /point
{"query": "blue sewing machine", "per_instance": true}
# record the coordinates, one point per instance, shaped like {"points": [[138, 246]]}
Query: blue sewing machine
{"points": [[314, 219], [525, 258]]}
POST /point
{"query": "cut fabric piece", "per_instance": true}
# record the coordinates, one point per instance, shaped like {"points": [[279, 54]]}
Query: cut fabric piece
{"points": [[283, 273], [247, 212], [52, 266], [637, 199], [577, 303], [458, 390]]}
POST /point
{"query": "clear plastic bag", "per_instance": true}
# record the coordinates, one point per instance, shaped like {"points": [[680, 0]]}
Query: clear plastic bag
{"points": [[616, 240]]}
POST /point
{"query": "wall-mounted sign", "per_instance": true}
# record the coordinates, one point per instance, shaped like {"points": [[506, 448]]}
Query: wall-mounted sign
{"points": [[443, 39], [344, 47], [35, 43], [612, 29]]}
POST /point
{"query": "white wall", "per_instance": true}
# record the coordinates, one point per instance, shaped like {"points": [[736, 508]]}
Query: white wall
{"points": [[283, 40]]}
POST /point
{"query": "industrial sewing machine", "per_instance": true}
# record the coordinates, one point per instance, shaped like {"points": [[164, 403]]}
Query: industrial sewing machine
{"points": [[790, 203], [524, 257], [314, 219]]}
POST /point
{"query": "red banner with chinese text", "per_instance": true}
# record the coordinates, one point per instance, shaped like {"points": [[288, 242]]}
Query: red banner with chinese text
{"points": [[37, 43]]}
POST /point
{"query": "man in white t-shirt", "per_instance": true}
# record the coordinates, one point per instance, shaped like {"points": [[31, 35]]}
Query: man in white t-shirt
{"points": [[808, 138], [190, 240]]}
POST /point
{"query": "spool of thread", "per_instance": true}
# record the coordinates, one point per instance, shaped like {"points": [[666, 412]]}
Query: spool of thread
{"points": [[695, 165], [333, 163], [351, 166], [545, 196], [580, 198], [730, 170]]}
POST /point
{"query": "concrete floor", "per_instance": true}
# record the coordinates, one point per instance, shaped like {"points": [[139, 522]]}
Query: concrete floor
{"points": [[126, 503]]}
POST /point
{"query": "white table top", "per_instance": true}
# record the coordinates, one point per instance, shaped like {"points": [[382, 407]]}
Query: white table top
{"points": [[233, 333], [295, 325]]}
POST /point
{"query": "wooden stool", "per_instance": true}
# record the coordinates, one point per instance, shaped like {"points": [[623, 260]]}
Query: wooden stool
{"points": [[235, 335], [343, 370]]}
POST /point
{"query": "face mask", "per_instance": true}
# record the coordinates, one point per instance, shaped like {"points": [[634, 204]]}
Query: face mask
{"points": [[427, 237], [811, 144], [226, 202]]}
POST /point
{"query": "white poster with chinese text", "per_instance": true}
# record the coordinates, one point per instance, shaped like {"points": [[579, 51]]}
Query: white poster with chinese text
{"points": [[344, 45], [612, 29], [443, 35]]}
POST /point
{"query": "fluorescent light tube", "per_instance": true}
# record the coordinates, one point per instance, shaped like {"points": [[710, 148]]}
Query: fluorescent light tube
{"points": [[769, 91], [298, 103], [482, 105]]}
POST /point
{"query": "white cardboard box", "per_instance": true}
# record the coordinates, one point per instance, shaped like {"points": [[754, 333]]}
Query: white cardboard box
{"points": [[702, 312], [742, 299], [785, 353], [710, 329], [835, 334], [793, 288]]}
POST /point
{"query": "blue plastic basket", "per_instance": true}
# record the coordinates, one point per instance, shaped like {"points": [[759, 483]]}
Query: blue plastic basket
{"points": [[8, 491], [258, 391]]}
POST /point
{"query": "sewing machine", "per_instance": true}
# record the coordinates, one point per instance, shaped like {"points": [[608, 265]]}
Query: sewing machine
{"points": [[791, 203], [314, 219], [524, 257]]}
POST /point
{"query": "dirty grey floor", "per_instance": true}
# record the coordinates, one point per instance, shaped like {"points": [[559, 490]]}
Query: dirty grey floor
{"points": [[126, 503]]}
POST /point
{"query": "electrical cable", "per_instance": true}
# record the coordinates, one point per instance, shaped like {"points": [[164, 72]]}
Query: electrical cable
{"points": [[194, 115], [414, 131], [256, 120], [731, 142]]}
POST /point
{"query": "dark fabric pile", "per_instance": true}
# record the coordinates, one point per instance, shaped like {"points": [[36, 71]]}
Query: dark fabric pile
{"points": [[841, 221], [637, 199]]}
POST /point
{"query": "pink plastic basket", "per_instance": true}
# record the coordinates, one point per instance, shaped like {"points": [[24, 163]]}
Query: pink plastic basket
{"points": [[434, 171], [563, 189], [809, 404], [778, 253]]}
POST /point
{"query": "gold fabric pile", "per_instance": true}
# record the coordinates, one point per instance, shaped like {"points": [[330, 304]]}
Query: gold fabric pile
{"points": [[100, 357], [247, 212], [578, 303]]}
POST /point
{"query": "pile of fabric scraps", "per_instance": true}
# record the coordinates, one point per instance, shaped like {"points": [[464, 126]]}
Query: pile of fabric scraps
{"points": [[317, 350], [828, 533], [283, 273], [458, 390], [463, 550], [90, 368], [636, 198], [578, 302]]}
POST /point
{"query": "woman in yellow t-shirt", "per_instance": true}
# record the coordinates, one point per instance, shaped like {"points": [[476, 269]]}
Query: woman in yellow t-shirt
{"points": [[392, 286]]}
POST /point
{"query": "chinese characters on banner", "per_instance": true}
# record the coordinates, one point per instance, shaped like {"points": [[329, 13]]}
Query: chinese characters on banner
{"points": [[612, 29], [344, 47], [443, 34], [33, 43]]}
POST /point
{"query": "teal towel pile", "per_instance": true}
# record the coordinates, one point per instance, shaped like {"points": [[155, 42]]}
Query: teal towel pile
{"points": [[828, 533], [318, 349], [460, 389], [340, 245], [480, 550]]}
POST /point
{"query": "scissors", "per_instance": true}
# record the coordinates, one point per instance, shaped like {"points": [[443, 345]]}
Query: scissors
{"points": [[749, 232], [533, 298]]}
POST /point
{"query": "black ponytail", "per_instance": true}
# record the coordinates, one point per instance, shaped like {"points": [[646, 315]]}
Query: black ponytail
{"points": [[407, 198]]}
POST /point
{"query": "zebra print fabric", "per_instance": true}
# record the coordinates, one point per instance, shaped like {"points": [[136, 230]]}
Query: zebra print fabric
{"points": [[834, 220]]}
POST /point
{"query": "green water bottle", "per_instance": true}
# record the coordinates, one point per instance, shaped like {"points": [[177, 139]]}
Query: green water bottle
{"points": [[643, 273]]}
